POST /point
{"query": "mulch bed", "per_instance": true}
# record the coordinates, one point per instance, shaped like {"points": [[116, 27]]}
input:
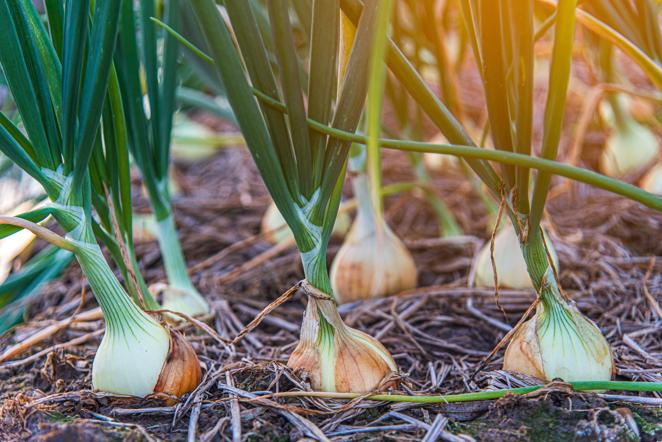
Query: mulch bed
{"points": [[438, 333]]}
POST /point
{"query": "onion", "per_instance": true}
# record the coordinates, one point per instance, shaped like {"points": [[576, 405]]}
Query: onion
{"points": [[559, 342], [439, 162], [182, 300], [652, 181], [145, 228], [372, 261], [511, 267], [141, 357], [629, 148], [336, 357]]}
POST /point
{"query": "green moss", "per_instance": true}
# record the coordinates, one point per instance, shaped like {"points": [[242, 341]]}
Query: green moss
{"points": [[57, 417], [649, 421]]}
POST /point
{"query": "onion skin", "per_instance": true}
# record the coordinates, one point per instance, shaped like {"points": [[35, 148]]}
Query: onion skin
{"points": [[371, 264], [510, 264], [560, 343], [628, 150], [181, 371], [652, 182], [523, 352], [359, 368], [349, 361]]}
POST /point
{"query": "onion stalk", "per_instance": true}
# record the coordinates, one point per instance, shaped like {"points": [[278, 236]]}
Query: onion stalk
{"points": [[303, 170], [62, 111], [150, 136]]}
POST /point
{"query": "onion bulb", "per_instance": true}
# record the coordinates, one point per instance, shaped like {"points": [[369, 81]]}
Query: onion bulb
{"points": [[190, 141], [11, 247], [182, 300], [440, 162], [510, 265], [629, 148], [193, 141], [652, 181], [139, 357], [273, 226], [145, 228], [559, 342], [336, 357], [275, 229], [372, 262]]}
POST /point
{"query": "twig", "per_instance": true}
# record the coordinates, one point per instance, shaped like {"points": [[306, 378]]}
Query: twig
{"points": [[505, 339], [193, 423], [306, 426], [211, 434], [358, 430], [651, 300], [256, 261], [235, 411], [232, 248], [480, 315], [45, 333], [72, 343], [627, 340], [268, 309], [435, 429], [633, 399]]}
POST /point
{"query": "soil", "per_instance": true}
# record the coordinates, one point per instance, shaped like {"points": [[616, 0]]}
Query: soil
{"points": [[438, 333]]}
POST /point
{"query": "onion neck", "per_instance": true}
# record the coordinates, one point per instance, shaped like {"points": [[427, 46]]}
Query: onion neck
{"points": [[316, 273], [368, 219], [121, 313], [541, 271], [315, 270]]}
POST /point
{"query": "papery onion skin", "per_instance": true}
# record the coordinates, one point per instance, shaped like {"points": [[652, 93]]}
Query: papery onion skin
{"points": [[371, 263], [630, 148], [181, 372], [342, 360], [362, 363]]}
